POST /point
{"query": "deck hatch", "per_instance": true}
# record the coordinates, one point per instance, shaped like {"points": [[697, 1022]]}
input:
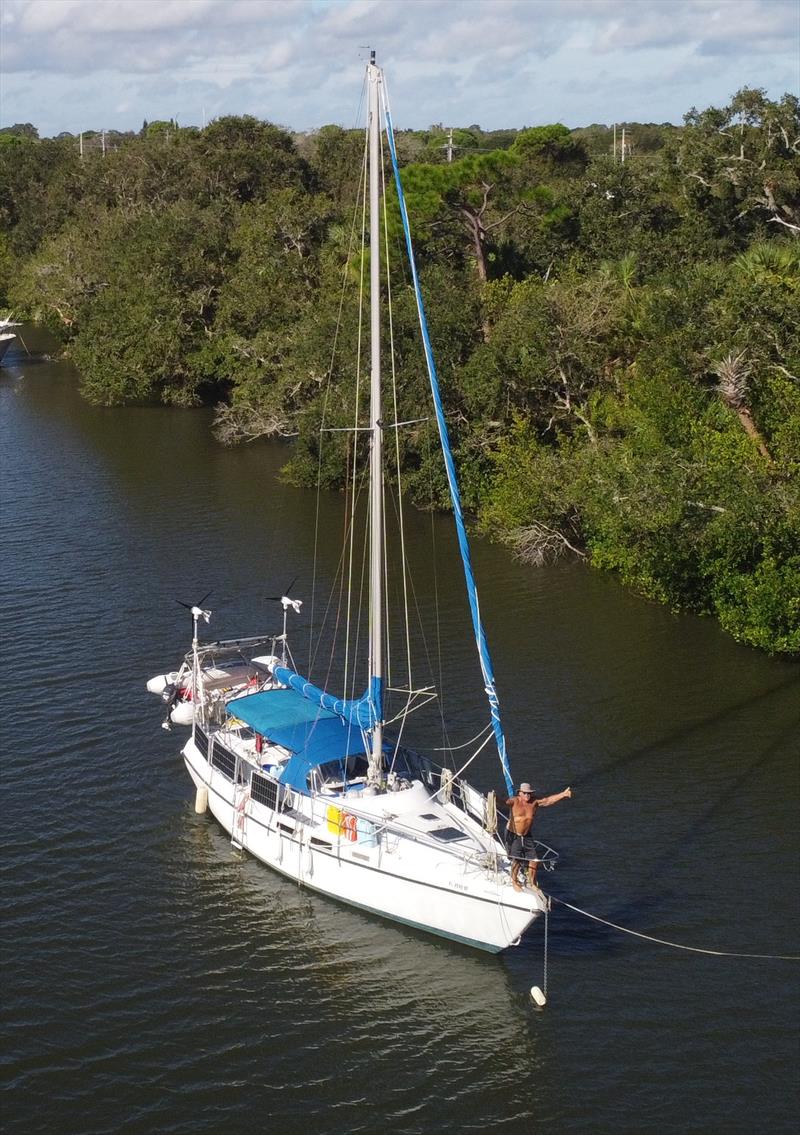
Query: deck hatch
{"points": [[447, 835]]}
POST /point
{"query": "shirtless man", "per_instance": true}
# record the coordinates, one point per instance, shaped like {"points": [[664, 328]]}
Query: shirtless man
{"points": [[521, 842]]}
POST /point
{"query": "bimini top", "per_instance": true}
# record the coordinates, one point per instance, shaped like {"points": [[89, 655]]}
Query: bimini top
{"points": [[313, 735]]}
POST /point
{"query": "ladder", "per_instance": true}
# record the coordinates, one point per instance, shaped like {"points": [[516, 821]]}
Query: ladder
{"points": [[241, 795]]}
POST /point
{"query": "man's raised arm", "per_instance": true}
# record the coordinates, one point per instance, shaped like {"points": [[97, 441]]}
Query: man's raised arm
{"points": [[546, 801]]}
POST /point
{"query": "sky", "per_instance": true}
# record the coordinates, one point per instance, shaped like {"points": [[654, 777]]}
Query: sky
{"points": [[72, 65]]}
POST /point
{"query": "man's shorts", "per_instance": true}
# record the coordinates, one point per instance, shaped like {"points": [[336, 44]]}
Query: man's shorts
{"points": [[521, 846]]}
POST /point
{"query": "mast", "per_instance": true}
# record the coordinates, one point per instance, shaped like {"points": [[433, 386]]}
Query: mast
{"points": [[376, 430]]}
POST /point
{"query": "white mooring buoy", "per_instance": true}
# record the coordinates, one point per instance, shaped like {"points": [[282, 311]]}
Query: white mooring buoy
{"points": [[201, 799], [538, 996]]}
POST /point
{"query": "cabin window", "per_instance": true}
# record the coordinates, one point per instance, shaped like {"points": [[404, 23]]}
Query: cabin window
{"points": [[335, 774]]}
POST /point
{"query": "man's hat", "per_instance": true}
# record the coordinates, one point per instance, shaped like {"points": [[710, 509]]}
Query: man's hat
{"points": [[525, 787]]}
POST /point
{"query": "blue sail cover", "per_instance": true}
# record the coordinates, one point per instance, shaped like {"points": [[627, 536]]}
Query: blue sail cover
{"points": [[313, 735], [362, 712], [452, 480]]}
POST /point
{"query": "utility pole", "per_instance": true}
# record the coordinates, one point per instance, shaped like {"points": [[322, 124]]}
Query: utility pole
{"points": [[623, 145], [103, 142], [450, 145], [80, 144]]}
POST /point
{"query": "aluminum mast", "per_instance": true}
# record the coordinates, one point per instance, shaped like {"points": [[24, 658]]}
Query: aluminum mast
{"points": [[376, 428]]}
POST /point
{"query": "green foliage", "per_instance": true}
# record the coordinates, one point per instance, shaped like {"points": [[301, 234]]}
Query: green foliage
{"points": [[532, 482], [7, 268], [20, 130], [762, 607], [552, 151], [159, 128], [35, 181], [617, 343], [337, 161], [738, 164], [153, 344], [454, 208]]}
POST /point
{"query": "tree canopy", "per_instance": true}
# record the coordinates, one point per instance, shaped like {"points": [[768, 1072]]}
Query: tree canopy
{"points": [[618, 341]]}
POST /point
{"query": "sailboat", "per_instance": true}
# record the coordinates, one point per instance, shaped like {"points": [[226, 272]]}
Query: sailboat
{"points": [[315, 785]]}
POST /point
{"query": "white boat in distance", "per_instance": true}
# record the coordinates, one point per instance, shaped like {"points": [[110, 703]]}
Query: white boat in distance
{"points": [[7, 337], [313, 784]]}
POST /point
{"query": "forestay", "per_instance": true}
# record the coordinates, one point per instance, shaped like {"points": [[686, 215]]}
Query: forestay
{"points": [[452, 479]]}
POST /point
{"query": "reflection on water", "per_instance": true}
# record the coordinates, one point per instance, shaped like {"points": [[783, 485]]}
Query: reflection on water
{"points": [[336, 999]]}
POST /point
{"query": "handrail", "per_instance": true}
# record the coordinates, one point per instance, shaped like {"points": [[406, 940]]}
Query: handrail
{"points": [[393, 825], [232, 644], [489, 842]]}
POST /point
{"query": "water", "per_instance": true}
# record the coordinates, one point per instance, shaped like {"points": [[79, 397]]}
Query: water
{"points": [[155, 982]]}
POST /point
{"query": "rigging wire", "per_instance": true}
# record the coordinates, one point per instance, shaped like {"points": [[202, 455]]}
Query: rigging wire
{"points": [[359, 341], [452, 480], [466, 764], [361, 606], [338, 578], [360, 196], [436, 607], [397, 498], [466, 745], [397, 425], [438, 669]]}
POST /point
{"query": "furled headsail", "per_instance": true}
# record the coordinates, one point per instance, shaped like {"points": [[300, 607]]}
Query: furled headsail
{"points": [[452, 479]]}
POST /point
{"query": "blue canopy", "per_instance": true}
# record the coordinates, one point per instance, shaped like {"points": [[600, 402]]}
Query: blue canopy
{"points": [[362, 712], [313, 735]]}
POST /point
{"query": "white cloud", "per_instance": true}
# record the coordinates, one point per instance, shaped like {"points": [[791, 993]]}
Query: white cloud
{"points": [[499, 62], [76, 36]]}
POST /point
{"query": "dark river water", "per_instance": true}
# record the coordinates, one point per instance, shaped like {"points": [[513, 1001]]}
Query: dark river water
{"points": [[154, 981]]}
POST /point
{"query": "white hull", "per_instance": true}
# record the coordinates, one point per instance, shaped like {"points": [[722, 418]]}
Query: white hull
{"points": [[395, 873]]}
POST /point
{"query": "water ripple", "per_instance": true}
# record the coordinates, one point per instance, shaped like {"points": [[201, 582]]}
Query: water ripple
{"points": [[157, 984]]}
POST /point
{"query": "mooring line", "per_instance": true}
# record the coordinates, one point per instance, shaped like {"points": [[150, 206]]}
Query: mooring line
{"points": [[674, 945]]}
